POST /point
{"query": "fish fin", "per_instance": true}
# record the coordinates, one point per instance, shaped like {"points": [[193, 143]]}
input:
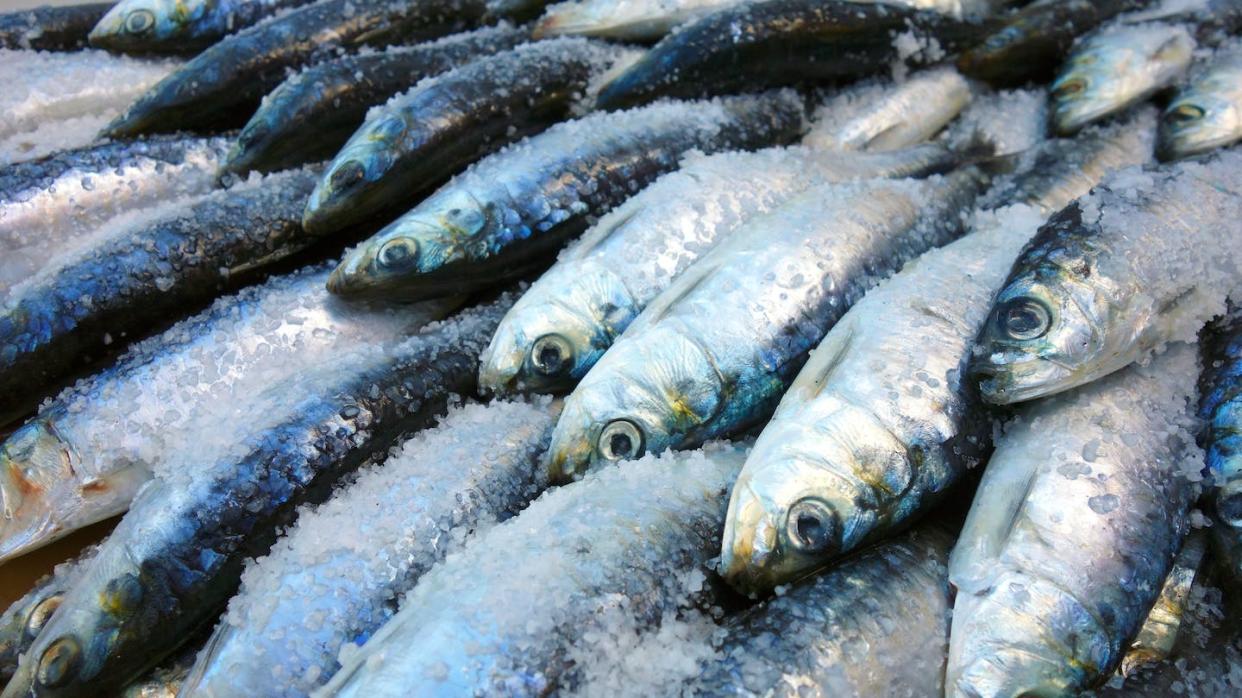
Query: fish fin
{"points": [[823, 363], [599, 233], [206, 656], [878, 139], [685, 285]]}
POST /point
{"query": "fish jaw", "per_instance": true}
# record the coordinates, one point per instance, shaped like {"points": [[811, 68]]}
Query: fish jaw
{"points": [[37, 484]]}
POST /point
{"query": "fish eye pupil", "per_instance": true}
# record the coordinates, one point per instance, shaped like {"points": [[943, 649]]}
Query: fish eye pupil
{"points": [[621, 440], [397, 253], [550, 354], [139, 21], [1185, 113], [1023, 318], [59, 661], [811, 525], [620, 443]]}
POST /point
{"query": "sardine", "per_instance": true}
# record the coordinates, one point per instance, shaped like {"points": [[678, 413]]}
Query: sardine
{"points": [[1072, 533], [684, 372], [309, 116], [21, 622], [560, 327], [176, 557], [178, 26], [420, 138], [505, 616], [1147, 258], [50, 28], [1207, 113], [506, 213], [632, 20], [888, 116], [335, 575], [786, 42], [1115, 68], [1220, 408]]}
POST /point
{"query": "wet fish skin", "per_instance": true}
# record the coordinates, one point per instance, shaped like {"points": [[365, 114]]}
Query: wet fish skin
{"points": [[506, 213], [178, 26], [1207, 112], [25, 617], [50, 28], [177, 555], [419, 139], [1220, 407], [309, 116], [1157, 639]]}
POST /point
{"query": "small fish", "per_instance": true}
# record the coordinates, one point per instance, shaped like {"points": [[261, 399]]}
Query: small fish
{"points": [[1115, 68], [1147, 258], [506, 213], [21, 622], [634, 20], [1072, 532], [560, 327], [50, 28], [1207, 112], [1220, 408], [178, 26], [309, 116], [685, 372], [420, 138], [1157, 639], [891, 116]]}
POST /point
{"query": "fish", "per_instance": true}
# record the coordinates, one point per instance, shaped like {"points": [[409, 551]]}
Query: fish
{"points": [[49, 28], [1206, 113], [177, 555], [504, 214], [83, 457], [1147, 258], [178, 26], [569, 317], [508, 614], [309, 116], [345, 563], [1157, 638], [24, 618], [684, 372], [1116, 67], [417, 140], [1220, 390], [1073, 531], [637, 20], [787, 42]]}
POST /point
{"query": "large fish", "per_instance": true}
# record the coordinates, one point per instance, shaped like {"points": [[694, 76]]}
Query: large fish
{"points": [[1207, 112], [506, 213], [634, 20], [345, 563], [21, 622], [1220, 407], [888, 116], [507, 615], [685, 371], [1072, 533], [178, 26], [560, 327], [786, 42], [1147, 258], [309, 116], [50, 28], [177, 555], [422, 137]]}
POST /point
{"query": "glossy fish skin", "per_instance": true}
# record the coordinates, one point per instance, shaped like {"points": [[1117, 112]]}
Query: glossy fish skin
{"points": [[782, 42], [507, 212], [1072, 532], [178, 26], [1157, 639], [1147, 258], [1220, 408], [419, 139], [50, 28], [575, 311], [21, 622], [684, 372], [177, 555], [1207, 112], [309, 116], [506, 615], [635, 20], [891, 116]]}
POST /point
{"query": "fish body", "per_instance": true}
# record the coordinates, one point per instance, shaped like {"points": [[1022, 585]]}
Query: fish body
{"points": [[1072, 532], [503, 215], [1220, 408], [420, 138], [628, 20], [178, 26], [1207, 112], [309, 116], [50, 28], [567, 319], [684, 372], [506, 615], [21, 622]]}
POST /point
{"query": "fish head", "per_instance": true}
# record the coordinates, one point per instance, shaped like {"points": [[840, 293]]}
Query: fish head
{"points": [[1196, 122], [37, 483], [351, 181], [132, 25], [23, 622]]}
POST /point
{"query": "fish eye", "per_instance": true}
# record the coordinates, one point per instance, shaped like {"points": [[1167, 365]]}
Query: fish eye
{"points": [[1184, 113], [621, 440], [1024, 318], [551, 354], [41, 612], [397, 254], [347, 174], [59, 662], [1069, 88], [811, 525], [139, 21]]}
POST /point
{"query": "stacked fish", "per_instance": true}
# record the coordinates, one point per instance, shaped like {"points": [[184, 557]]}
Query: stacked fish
{"points": [[656, 347]]}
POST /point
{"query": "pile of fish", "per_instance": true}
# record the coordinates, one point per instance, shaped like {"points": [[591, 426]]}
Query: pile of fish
{"points": [[659, 347]]}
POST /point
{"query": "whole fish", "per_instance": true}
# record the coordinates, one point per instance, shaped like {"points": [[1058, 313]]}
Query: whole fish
{"points": [[50, 28], [176, 557], [420, 138], [567, 319], [506, 615], [178, 26], [87, 452], [502, 216], [684, 372], [1116, 67], [345, 563], [1147, 258], [786, 42], [627, 20], [309, 116], [1207, 112], [890, 116], [1072, 533], [21, 622], [1220, 408]]}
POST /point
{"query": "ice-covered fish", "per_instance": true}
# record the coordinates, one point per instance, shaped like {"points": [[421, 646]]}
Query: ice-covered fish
{"points": [[309, 116], [176, 557], [50, 28], [560, 327], [1115, 68], [625, 548], [509, 211], [334, 578], [887, 116], [1147, 258], [628, 20], [1220, 408], [21, 622], [178, 26], [685, 372], [420, 138], [1207, 112], [1009, 121], [1072, 533]]}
